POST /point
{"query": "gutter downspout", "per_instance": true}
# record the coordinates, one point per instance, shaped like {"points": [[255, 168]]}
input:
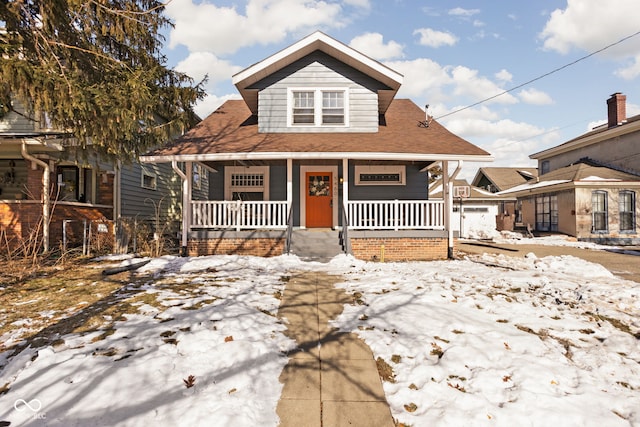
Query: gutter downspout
{"points": [[46, 198], [185, 206], [449, 203]]}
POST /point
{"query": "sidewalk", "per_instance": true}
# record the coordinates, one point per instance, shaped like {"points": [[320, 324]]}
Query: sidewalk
{"points": [[331, 380]]}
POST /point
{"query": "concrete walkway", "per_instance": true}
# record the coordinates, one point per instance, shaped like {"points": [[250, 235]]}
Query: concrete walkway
{"points": [[331, 380]]}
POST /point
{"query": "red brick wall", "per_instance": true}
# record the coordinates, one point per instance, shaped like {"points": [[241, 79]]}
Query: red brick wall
{"points": [[236, 246], [18, 220], [400, 249]]}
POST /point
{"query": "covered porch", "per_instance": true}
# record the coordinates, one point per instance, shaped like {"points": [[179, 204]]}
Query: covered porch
{"points": [[371, 219]]}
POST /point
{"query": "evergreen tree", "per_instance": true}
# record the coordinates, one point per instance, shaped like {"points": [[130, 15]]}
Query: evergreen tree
{"points": [[95, 67]]}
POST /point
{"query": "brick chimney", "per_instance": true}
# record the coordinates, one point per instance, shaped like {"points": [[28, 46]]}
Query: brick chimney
{"points": [[617, 109]]}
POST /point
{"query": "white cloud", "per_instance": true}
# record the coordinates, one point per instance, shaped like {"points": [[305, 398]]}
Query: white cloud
{"points": [[478, 23], [469, 84], [372, 44], [504, 76], [364, 4], [434, 38], [201, 64], [501, 129], [458, 11], [210, 103], [590, 25], [630, 72], [535, 97], [222, 30], [423, 78]]}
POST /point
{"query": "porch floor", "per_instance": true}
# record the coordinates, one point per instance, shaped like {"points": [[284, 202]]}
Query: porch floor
{"points": [[315, 244]]}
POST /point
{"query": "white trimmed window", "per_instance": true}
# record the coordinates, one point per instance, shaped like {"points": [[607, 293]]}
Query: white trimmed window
{"points": [[148, 181], [247, 183], [600, 214], [627, 202], [317, 107], [380, 175]]}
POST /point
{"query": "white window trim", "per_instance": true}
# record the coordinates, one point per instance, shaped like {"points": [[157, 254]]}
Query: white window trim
{"points": [[144, 173], [381, 169], [230, 170], [317, 106]]}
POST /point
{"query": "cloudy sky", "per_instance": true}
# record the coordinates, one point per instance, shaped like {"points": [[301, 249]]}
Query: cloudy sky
{"points": [[452, 55]]}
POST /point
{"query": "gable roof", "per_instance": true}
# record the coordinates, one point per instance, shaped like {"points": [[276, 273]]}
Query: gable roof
{"points": [[581, 173], [504, 178], [317, 41], [596, 135], [231, 133]]}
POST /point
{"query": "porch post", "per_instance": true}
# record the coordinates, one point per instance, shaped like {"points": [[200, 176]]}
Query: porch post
{"points": [[289, 184], [186, 202], [447, 191], [345, 187], [46, 192]]}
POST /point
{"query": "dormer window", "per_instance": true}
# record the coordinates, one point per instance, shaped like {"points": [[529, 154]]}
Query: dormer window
{"points": [[333, 107], [303, 109], [318, 107]]}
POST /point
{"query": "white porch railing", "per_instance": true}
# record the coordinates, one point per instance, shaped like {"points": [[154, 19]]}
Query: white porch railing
{"points": [[361, 214], [396, 214], [238, 214]]}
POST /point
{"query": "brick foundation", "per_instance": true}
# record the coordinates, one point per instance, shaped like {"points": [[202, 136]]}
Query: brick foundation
{"points": [[264, 247], [400, 249], [20, 219]]}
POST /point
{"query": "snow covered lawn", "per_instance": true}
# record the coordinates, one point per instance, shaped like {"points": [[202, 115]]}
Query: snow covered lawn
{"points": [[491, 341]]}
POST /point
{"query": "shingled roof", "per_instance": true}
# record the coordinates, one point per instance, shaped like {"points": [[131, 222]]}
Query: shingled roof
{"points": [[231, 132], [504, 178]]}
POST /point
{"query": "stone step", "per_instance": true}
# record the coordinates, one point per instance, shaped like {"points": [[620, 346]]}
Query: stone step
{"points": [[316, 244]]}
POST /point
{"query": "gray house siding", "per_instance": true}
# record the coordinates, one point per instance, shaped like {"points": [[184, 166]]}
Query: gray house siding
{"points": [[414, 189], [141, 203], [316, 71], [17, 121]]}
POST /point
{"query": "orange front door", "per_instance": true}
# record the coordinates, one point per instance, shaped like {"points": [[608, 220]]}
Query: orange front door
{"points": [[319, 199]]}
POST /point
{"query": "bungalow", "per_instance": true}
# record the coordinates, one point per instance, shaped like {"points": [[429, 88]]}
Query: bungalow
{"points": [[588, 186], [319, 142], [53, 193]]}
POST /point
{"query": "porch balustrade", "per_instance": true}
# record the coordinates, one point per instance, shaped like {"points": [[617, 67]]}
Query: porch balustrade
{"points": [[238, 214], [396, 214], [362, 215]]}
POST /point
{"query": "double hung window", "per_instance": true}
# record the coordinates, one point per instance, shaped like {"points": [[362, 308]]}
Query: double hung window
{"points": [[318, 107], [627, 208], [599, 211]]}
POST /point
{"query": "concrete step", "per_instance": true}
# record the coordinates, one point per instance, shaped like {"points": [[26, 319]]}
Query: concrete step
{"points": [[316, 244]]}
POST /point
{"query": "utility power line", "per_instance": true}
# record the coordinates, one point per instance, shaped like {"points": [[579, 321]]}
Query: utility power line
{"points": [[540, 77]]}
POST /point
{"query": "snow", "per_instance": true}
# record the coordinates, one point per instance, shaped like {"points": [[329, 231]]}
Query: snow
{"points": [[489, 340]]}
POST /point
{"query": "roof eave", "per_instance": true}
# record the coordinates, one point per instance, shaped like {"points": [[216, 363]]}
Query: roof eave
{"points": [[587, 140], [314, 155], [316, 41]]}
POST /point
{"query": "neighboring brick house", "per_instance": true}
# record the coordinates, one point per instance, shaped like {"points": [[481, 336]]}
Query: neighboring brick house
{"points": [[319, 141], [588, 186], [47, 186]]}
